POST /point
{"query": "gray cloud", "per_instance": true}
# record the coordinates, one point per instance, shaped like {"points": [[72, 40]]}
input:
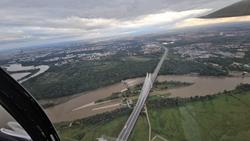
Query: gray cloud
{"points": [[53, 19], [121, 9]]}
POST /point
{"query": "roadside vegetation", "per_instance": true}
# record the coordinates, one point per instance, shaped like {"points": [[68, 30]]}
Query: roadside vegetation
{"points": [[223, 116]]}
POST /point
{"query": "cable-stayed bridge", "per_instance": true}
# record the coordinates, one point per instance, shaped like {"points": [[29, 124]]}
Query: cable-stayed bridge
{"points": [[148, 84]]}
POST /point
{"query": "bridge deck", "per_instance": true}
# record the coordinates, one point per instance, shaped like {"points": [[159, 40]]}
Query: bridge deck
{"points": [[148, 83]]}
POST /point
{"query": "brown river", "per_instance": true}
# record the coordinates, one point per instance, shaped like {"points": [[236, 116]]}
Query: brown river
{"points": [[84, 105]]}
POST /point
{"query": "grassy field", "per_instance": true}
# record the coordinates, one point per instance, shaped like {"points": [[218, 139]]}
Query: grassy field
{"points": [[224, 117]]}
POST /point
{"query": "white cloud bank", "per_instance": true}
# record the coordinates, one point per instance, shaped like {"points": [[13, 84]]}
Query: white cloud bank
{"points": [[89, 28], [202, 22]]}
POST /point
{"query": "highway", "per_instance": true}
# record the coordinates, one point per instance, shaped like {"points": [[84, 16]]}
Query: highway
{"points": [[158, 67], [148, 83]]}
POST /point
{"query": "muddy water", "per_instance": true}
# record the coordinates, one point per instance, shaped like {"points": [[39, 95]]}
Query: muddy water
{"points": [[202, 86], [65, 111], [19, 67]]}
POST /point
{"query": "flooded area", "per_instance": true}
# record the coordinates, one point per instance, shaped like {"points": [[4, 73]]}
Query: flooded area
{"points": [[203, 85], [42, 69], [68, 109], [84, 104], [4, 116], [19, 67], [18, 76]]}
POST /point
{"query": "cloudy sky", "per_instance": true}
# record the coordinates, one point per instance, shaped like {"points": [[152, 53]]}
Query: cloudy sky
{"points": [[30, 22]]}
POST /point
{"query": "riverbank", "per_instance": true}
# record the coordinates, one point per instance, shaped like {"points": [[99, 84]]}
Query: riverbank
{"points": [[223, 116], [85, 102], [202, 85]]}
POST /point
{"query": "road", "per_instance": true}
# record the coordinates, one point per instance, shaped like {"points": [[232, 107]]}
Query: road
{"points": [[158, 67], [148, 83]]}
